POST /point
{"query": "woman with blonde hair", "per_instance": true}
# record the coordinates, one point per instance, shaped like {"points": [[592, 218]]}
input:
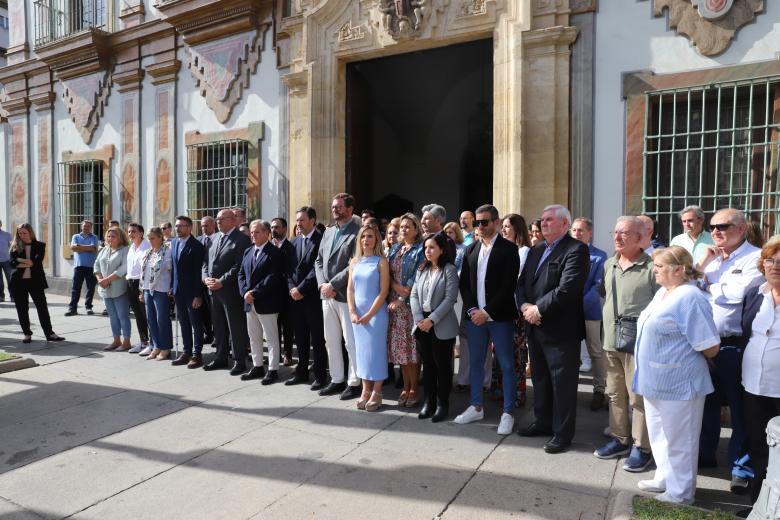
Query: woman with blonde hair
{"points": [[452, 230], [391, 235], [156, 268], [367, 288], [404, 260], [28, 278], [110, 271], [675, 336]]}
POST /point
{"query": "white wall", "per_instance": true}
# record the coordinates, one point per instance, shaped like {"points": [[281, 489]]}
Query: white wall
{"points": [[629, 38]]}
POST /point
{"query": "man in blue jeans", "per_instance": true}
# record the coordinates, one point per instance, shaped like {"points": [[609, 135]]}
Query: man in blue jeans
{"points": [[487, 282], [85, 247], [5, 262]]}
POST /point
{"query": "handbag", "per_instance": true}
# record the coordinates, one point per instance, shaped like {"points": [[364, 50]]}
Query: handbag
{"points": [[625, 326]]}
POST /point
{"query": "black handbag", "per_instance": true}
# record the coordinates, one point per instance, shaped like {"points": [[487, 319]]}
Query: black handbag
{"points": [[625, 326]]}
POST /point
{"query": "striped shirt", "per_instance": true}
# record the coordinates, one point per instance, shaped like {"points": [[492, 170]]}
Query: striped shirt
{"points": [[671, 333]]}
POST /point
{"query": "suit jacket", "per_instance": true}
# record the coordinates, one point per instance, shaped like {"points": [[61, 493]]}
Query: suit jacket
{"points": [[264, 277], [332, 265], [557, 290], [37, 275], [301, 272], [444, 294], [187, 259], [224, 260], [502, 269]]}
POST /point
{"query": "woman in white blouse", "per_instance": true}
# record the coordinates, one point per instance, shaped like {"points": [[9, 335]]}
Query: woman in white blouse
{"points": [[110, 271], [156, 283], [761, 361]]}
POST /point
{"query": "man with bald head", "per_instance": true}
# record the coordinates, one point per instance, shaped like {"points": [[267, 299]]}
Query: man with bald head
{"points": [[730, 268], [220, 275], [467, 225]]}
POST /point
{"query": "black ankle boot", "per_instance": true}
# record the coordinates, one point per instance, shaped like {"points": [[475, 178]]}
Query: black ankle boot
{"points": [[427, 410], [441, 413]]}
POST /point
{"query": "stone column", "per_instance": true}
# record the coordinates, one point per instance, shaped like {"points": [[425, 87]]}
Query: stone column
{"points": [[46, 175], [129, 88], [767, 505]]}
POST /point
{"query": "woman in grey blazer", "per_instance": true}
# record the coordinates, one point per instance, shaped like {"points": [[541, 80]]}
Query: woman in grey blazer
{"points": [[435, 324]]}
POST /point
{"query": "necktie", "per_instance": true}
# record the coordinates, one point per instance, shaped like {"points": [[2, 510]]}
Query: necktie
{"points": [[254, 262], [206, 241]]}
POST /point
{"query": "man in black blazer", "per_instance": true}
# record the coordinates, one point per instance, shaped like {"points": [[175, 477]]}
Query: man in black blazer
{"points": [[549, 295], [487, 280], [279, 239], [306, 306], [220, 275], [261, 284], [208, 227], [188, 254]]}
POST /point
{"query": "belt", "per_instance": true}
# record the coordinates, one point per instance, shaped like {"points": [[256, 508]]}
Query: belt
{"points": [[733, 341]]}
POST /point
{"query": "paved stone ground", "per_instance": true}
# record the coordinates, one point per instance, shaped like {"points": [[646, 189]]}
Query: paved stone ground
{"points": [[96, 435]]}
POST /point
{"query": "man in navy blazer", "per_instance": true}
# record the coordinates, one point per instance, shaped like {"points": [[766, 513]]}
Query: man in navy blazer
{"points": [[549, 294], [306, 306], [261, 285], [187, 254], [208, 227], [286, 326]]}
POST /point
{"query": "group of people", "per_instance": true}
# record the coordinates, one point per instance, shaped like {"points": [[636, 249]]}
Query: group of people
{"points": [[672, 333]]}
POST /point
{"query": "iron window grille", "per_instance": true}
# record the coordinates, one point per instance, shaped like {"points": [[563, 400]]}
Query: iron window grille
{"points": [[57, 19], [216, 176], [83, 196], [715, 146]]}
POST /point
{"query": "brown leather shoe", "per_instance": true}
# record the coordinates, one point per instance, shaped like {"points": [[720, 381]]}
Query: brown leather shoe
{"points": [[183, 359], [196, 361]]}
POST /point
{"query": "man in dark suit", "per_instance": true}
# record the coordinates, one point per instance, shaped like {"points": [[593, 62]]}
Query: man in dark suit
{"points": [[188, 255], [487, 280], [261, 284], [208, 227], [279, 239], [549, 294], [332, 268], [306, 306], [220, 275]]}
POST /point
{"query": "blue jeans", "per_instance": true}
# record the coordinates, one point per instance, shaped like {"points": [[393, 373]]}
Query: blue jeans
{"points": [[81, 275], [502, 335], [727, 379], [119, 313], [158, 314], [5, 269]]}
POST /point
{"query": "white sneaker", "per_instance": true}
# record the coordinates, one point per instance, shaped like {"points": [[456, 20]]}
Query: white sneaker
{"points": [[138, 347], [506, 424], [470, 415], [586, 366], [146, 351], [653, 486], [663, 497]]}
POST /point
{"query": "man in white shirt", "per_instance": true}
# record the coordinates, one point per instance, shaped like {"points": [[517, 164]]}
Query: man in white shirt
{"points": [[695, 240], [730, 268]]}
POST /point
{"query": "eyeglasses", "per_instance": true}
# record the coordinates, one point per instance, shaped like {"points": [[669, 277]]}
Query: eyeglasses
{"points": [[482, 222], [771, 263], [721, 227]]}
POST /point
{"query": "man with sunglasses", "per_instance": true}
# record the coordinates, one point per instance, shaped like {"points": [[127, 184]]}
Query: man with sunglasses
{"points": [[730, 268]]}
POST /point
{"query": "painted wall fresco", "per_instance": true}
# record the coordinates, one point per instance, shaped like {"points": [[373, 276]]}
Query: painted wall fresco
{"points": [[129, 185], [165, 171]]}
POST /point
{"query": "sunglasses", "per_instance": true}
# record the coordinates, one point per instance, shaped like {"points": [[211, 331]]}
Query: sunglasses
{"points": [[721, 227], [482, 222]]}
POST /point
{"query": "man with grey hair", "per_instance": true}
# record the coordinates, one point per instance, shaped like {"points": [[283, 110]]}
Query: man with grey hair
{"points": [[5, 261], [434, 216], [694, 240], [647, 235], [730, 268]]}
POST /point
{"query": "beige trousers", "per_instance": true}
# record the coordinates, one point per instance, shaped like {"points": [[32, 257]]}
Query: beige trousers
{"points": [[620, 374]]}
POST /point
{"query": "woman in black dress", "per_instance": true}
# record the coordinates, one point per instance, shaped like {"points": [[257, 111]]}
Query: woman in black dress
{"points": [[28, 278]]}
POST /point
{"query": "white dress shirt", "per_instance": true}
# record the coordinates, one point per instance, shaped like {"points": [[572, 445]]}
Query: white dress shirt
{"points": [[134, 257], [727, 281], [761, 361], [482, 265]]}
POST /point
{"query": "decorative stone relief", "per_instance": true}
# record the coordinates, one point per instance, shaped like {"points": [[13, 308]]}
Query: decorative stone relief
{"points": [[403, 18], [472, 8], [347, 33], [85, 97], [222, 68], [709, 24]]}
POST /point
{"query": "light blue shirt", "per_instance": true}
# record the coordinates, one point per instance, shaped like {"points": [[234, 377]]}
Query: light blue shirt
{"points": [[547, 250], [5, 246], [671, 333], [468, 239], [84, 259]]}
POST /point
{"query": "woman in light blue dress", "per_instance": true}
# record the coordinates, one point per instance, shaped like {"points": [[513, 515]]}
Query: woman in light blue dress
{"points": [[367, 288]]}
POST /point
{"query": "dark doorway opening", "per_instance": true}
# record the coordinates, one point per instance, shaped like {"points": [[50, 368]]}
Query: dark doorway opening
{"points": [[420, 130]]}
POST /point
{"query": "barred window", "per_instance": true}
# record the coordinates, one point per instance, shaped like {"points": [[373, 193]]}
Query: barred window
{"points": [[216, 176], [83, 196], [56, 19], [715, 146]]}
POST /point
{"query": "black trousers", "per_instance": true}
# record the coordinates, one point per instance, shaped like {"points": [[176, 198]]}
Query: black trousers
{"points": [[80, 275], [310, 334], [139, 309], [208, 329], [759, 410], [436, 357], [555, 376], [19, 290], [191, 323], [229, 320], [286, 328]]}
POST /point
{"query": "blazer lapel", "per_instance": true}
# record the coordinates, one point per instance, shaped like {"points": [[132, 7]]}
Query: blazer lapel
{"points": [[553, 256], [341, 238]]}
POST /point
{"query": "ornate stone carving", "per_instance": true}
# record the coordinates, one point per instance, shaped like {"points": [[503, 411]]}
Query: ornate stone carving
{"points": [[85, 97], [472, 8], [402, 18], [222, 68], [347, 33], [709, 24]]}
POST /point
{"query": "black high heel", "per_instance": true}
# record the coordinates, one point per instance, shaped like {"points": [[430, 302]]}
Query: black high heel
{"points": [[27, 339], [54, 337]]}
